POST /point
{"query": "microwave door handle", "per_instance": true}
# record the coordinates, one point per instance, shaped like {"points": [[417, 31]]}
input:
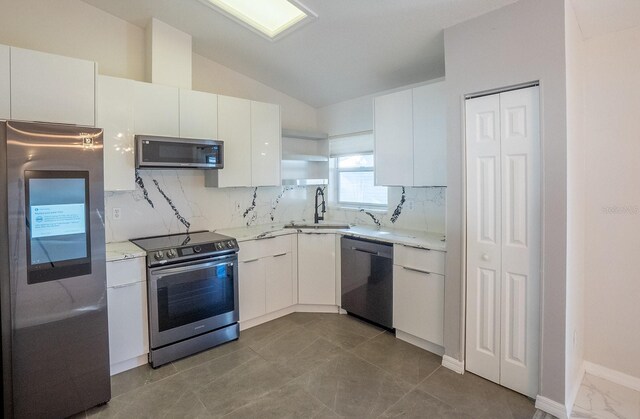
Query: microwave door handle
{"points": [[191, 268]]}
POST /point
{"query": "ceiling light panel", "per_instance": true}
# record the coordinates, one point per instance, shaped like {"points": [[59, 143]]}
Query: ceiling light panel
{"points": [[270, 18]]}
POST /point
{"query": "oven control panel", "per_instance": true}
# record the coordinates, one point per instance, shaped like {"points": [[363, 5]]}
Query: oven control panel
{"points": [[161, 257]]}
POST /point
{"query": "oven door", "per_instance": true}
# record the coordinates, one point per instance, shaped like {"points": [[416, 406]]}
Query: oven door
{"points": [[192, 298]]}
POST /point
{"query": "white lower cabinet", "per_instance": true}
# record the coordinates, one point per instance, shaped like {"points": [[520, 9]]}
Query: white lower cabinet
{"points": [[317, 269], [128, 317], [266, 276], [418, 293], [251, 278]]}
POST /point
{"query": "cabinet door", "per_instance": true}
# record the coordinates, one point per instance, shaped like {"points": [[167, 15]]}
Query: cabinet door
{"points": [[5, 83], [234, 128], [156, 110], [128, 325], [51, 88], [317, 269], [430, 135], [198, 114], [114, 114], [279, 282], [251, 289], [418, 304], [393, 133], [265, 144]]}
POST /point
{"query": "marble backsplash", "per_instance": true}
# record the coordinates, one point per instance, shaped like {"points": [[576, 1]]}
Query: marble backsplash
{"points": [[174, 201]]}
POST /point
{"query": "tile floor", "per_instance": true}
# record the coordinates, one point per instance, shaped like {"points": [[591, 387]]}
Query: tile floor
{"points": [[602, 399], [310, 366]]}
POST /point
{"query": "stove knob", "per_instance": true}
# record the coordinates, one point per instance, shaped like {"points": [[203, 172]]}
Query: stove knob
{"points": [[171, 253], [157, 255], [230, 244], [219, 245], [197, 249]]}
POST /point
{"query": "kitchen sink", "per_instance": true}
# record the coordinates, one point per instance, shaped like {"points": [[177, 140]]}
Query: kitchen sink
{"points": [[320, 225]]}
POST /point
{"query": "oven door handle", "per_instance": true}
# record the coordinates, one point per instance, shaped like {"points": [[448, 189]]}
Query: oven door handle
{"points": [[184, 269]]}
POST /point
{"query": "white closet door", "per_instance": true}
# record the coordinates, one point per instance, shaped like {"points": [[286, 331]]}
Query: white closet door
{"points": [[519, 111], [503, 238], [483, 237]]}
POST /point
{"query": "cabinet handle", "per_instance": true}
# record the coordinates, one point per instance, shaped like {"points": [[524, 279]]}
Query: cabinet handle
{"points": [[416, 270], [281, 254], [251, 260], [266, 238], [115, 287]]}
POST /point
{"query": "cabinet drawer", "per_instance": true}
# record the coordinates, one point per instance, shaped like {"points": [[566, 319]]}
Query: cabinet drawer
{"points": [[420, 259], [120, 272], [256, 249]]}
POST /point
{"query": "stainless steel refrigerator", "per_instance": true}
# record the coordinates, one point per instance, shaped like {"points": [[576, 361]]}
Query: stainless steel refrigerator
{"points": [[55, 341]]}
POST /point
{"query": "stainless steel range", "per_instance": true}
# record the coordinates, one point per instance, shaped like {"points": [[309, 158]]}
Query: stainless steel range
{"points": [[192, 282]]}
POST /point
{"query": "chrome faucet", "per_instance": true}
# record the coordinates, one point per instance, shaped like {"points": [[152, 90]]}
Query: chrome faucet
{"points": [[316, 216]]}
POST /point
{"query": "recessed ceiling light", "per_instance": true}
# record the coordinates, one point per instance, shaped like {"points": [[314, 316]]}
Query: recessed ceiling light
{"points": [[270, 18]]}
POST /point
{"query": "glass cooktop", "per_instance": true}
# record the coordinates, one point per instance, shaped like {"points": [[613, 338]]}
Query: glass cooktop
{"points": [[178, 240]]}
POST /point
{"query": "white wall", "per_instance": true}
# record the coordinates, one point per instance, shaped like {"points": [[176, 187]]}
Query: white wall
{"points": [[576, 203], [519, 43], [209, 76], [76, 29], [613, 201]]}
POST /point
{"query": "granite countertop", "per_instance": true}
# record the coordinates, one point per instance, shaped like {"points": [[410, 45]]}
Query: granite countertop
{"points": [[123, 250], [413, 238]]}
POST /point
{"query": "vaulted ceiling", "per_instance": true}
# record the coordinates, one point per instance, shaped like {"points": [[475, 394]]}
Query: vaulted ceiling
{"points": [[354, 48]]}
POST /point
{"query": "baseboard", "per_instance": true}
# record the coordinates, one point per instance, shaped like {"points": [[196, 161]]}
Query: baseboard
{"points": [[453, 364], [612, 375], [317, 308], [576, 388], [129, 364], [247, 324], [551, 407], [420, 343]]}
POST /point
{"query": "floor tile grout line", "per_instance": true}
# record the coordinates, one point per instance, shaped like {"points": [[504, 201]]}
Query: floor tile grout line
{"points": [[415, 387]]}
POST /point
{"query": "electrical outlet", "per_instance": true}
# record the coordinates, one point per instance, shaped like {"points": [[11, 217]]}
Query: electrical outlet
{"points": [[117, 213]]}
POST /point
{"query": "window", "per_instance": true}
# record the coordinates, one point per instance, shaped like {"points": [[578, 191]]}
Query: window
{"points": [[354, 182]]}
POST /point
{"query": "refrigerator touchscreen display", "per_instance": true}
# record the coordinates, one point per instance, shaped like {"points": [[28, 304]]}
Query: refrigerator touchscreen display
{"points": [[57, 224]]}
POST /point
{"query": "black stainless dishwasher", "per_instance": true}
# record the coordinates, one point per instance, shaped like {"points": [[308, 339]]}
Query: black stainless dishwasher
{"points": [[367, 280]]}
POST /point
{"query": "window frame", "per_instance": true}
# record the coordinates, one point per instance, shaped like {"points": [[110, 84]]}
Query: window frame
{"points": [[355, 205]]}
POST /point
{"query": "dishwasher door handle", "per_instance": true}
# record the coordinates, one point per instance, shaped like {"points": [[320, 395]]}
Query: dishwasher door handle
{"points": [[366, 251]]}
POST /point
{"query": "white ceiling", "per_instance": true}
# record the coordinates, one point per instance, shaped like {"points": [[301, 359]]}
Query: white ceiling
{"points": [[599, 17], [354, 48]]}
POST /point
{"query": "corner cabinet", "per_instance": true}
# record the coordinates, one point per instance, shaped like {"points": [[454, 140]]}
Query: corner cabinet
{"points": [[251, 132], [410, 133], [128, 317], [317, 268], [5, 83], [418, 296], [52, 88]]}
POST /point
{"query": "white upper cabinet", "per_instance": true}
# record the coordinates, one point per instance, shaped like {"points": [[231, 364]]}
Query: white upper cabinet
{"points": [[252, 136], [393, 132], [5, 83], [114, 114], [51, 88], [156, 110], [410, 137], [265, 144], [430, 135], [234, 128], [198, 115]]}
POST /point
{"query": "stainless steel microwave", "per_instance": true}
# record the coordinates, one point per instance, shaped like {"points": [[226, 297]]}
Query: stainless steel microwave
{"points": [[178, 153]]}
